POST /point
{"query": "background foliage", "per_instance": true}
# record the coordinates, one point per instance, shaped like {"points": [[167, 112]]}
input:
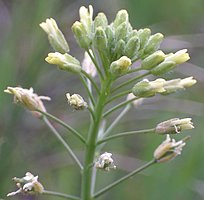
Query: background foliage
{"points": [[26, 145]]}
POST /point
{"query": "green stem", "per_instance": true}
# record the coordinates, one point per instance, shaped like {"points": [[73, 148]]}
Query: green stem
{"points": [[64, 143], [99, 193], [120, 105], [96, 65], [121, 94], [76, 133], [118, 135], [117, 119], [91, 80], [130, 81], [88, 91], [91, 142], [91, 112], [59, 194]]}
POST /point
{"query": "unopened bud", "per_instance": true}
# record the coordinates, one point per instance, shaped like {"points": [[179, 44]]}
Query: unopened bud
{"points": [[55, 36], [121, 17], [64, 62], [143, 35], [146, 88], [168, 149], [174, 126], [76, 101], [81, 35], [120, 66], [153, 60], [163, 68], [100, 39], [121, 31], [86, 18], [100, 20], [179, 57], [132, 47], [175, 85], [105, 162]]}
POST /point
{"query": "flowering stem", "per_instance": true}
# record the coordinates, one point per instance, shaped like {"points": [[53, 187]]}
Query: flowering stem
{"points": [[64, 143], [96, 65], [130, 81], [76, 133], [121, 94], [105, 189], [118, 135], [117, 119], [91, 80], [59, 194], [91, 141], [88, 91], [120, 105]]}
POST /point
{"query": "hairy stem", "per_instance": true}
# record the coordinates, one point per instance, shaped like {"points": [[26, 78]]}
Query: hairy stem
{"points": [[63, 142], [99, 193]]}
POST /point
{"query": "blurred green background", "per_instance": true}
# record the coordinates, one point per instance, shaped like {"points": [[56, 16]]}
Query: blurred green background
{"points": [[27, 145]]}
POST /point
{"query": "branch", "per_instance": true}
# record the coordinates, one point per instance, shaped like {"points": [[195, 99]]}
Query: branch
{"points": [[105, 189], [120, 105], [72, 130], [59, 194], [59, 137], [118, 135]]}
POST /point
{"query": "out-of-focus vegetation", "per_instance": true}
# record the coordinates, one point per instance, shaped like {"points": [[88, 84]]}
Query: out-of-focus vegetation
{"points": [[26, 145]]}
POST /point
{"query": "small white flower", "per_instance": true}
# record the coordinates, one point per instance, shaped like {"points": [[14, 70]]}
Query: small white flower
{"points": [[28, 99], [168, 149], [29, 183], [76, 101], [105, 162]]}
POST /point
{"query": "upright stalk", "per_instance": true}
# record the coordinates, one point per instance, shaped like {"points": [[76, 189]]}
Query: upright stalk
{"points": [[92, 140]]}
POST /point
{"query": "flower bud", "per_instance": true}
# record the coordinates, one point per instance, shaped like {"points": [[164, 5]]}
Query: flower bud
{"points": [[174, 126], [153, 60], [153, 43], [121, 31], [100, 20], [132, 47], [28, 99], [76, 101], [168, 149], [81, 35], [146, 88], [163, 68], [143, 35], [175, 85], [88, 65], [119, 49], [105, 162], [100, 39], [121, 17], [55, 36], [86, 18], [120, 66], [64, 62], [179, 57], [27, 184]]}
